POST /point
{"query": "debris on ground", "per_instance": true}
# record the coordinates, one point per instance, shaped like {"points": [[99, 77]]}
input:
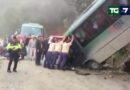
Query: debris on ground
{"points": [[116, 67]]}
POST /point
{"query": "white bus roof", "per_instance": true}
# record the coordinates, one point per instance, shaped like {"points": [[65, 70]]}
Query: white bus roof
{"points": [[32, 25]]}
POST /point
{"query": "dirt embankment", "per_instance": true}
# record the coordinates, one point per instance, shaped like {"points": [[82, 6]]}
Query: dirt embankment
{"points": [[119, 59]]}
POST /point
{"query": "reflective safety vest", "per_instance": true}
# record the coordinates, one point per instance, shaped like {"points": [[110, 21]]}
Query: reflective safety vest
{"points": [[13, 47]]}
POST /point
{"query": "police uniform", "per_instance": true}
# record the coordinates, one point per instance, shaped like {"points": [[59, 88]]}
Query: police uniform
{"points": [[13, 48]]}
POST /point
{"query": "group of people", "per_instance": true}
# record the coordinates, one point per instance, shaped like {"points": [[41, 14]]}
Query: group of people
{"points": [[36, 48], [53, 51], [57, 54], [14, 47]]}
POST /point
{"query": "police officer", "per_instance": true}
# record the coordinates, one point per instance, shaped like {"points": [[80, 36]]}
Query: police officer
{"points": [[13, 47]]}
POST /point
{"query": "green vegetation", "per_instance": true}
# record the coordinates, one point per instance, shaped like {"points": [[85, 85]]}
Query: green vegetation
{"points": [[117, 60]]}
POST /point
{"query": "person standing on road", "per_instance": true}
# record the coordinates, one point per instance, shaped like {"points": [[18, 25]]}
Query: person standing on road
{"points": [[32, 48], [39, 50], [13, 48], [45, 47]]}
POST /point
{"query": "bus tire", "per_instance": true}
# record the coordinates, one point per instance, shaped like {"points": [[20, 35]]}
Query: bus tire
{"points": [[92, 64]]}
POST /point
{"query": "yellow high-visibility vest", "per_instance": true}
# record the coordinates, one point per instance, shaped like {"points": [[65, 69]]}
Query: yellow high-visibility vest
{"points": [[13, 47]]}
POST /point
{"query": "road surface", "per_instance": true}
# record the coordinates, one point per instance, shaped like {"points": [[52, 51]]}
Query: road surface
{"points": [[31, 77]]}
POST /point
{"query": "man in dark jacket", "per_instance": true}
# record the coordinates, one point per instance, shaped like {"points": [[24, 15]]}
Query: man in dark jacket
{"points": [[45, 47], [39, 49]]}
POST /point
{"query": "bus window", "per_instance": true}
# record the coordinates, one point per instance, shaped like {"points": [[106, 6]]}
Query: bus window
{"points": [[98, 22], [112, 19], [87, 28], [105, 7], [108, 3], [81, 36], [92, 27]]}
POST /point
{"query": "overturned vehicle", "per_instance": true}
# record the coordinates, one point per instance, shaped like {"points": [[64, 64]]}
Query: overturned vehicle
{"points": [[98, 35]]}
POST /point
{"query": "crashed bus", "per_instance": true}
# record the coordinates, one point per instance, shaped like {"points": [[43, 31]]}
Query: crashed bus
{"points": [[98, 34]]}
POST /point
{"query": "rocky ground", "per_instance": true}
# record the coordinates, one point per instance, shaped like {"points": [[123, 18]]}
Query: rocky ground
{"points": [[31, 77]]}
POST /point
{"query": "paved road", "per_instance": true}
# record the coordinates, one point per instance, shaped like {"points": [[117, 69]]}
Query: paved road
{"points": [[31, 77]]}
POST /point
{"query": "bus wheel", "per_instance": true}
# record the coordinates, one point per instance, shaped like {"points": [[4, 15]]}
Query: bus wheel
{"points": [[92, 64]]}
